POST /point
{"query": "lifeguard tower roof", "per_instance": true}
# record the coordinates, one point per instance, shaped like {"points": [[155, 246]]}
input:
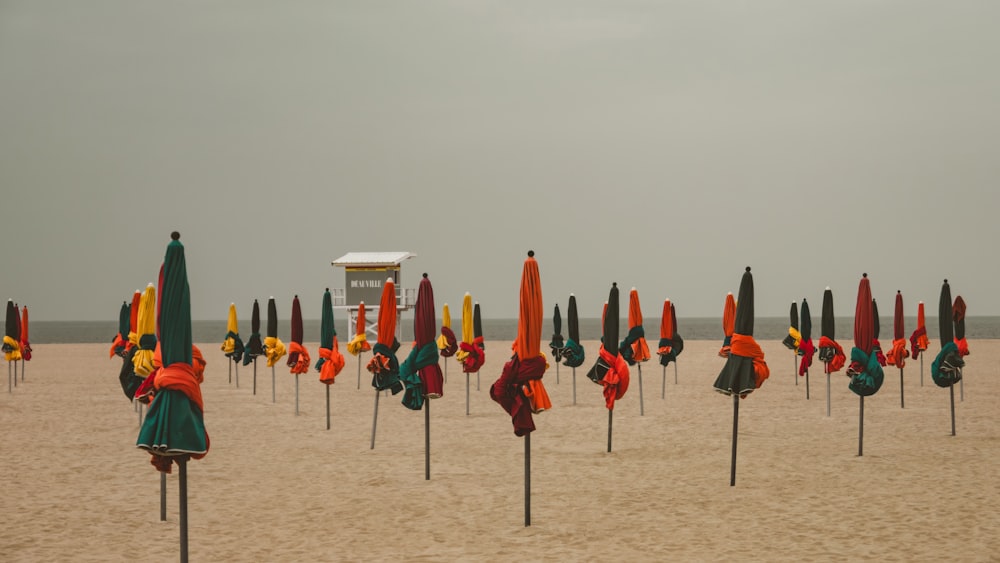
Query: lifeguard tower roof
{"points": [[372, 259]]}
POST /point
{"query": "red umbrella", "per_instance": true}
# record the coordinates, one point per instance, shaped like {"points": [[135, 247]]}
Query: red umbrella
{"points": [[865, 370], [957, 315], [26, 345], [384, 366], [519, 389], [728, 324], [667, 347], [876, 345], [946, 369], [897, 355], [634, 349], [610, 370], [298, 356], [745, 370], [919, 341], [420, 372]]}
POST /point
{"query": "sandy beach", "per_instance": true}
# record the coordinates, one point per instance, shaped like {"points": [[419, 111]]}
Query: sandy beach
{"points": [[280, 487]]}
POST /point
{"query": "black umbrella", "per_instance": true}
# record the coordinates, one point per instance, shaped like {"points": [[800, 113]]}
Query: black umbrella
{"points": [[806, 348], [11, 341], [274, 348], [557, 343], [572, 352], [946, 370], [610, 370], [794, 338], [745, 369], [120, 342], [255, 346], [830, 352], [865, 370]]}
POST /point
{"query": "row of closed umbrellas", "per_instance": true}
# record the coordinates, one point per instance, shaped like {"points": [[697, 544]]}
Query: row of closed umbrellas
{"points": [[16, 346]]}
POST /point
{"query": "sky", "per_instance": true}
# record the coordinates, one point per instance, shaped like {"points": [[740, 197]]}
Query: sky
{"points": [[663, 145]]}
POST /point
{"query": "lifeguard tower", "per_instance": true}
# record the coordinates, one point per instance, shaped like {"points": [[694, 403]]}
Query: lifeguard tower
{"points": [[364, 275]]}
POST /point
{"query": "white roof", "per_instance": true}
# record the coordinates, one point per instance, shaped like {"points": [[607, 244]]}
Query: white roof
{"points": [[372, 258]]}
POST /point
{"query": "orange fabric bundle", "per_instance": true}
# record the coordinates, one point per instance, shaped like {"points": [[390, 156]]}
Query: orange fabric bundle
{"points": [[728, 325], [302, 361], [333, 364], [897, 355], [181, 377], [745, 346], [839, 358], [616, 380], [534, 390], [963, 346]]}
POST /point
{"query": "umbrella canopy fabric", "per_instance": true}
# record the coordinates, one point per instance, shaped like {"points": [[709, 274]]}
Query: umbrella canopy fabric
{"points": [[806, 348], [330, 361], [667, 347], [865, 370], [946, 369], [745, 369], [634, 348], [25, 344], [678, 341], [830, 351], [232, 346], [557, 343], [384, 366], [918, 340], [447, 343], [174, 425], [897, 355], [274, 348], [11, 338], [728, 324], [133, 321], [610, 370], [519, 389], [420, 372], [572, 352], [146, 327], [958, 316], [471, 351], [120, 342], [298, 355], [876, 331], [255, 346], [477, 329], [794, 336], [359, 343]]}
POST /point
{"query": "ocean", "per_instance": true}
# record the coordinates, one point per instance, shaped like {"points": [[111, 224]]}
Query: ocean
{"points": [[504, 330]]}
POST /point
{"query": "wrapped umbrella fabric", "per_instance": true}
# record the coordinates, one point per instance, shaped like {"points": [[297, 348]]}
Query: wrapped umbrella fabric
{"points": [[254, 346], [331, 361], [610, 370], [572, 352], [25, 343], [557, 343], [918, 340], [274, 348], [12, 338], [728, 325], [864, 370], [667, 348], [232, 346], [298, 356], [420, 373], [359, 343], [471, 351], [119, 345], [384, 366], [806, 348], [831, 353], [146, 327], [745, 370], [634, 348], [447, 343], [946, 369]]}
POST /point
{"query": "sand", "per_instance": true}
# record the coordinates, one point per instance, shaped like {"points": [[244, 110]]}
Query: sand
{"points": [[280, 487]]}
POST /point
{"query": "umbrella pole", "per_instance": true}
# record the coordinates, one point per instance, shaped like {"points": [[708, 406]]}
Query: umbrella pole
{"points": [[961, 383], [183, 505], [902, 403], [328, 406], [861, 425], [237, 365], [374, 418], [427, 439], [255, 376], [477, 381], [611, 413], [466, 394], [273, 399], [163, 497], [921, 354], [663, 388], [359, 370], [795, 370], [826, 368], [446, 370], [296, 394], [527, 479], [675, 371], [736, 424], [951, 389], [642, 410], [807, 385], [574, 386], [10, 384], [230, 371], [557, 372], [24, 364]]}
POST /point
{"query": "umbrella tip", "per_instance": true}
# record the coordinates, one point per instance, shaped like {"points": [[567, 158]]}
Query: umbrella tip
{"points": [[328, 289], [614, 284], [633, 288], [864, 275], [729, 293], [425, 275], [469, 294], [748, 268], [946, 280], [572, 295], [531, 254], [827, 288], [296, 296], [898, 291], [175, 236]]}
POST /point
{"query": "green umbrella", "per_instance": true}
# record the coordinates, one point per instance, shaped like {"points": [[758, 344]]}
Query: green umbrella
{"points": [[331, 361], [946, 369]]}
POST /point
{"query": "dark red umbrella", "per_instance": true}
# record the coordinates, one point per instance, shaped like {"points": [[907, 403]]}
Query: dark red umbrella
{"points": [[420, 372], [745, 370], [26, 345], [957, 315], [897, 355], [877, 330], [830, 352], [865, 370], [519, 389], [610, 370], [946, 369]]}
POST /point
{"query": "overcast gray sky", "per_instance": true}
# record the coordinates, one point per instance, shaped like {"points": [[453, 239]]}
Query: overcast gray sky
{"points": [[660, 144]]}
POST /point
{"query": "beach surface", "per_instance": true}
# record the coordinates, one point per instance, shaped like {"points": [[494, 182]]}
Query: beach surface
{"points": [[281, 487]]}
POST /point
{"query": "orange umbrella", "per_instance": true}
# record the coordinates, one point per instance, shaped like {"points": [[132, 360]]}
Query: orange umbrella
{"points": [[667, 348], [519, 388], [728, 323], [384, 366], [634, 349]]}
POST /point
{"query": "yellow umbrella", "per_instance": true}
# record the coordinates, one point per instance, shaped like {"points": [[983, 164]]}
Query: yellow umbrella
{"points": [[359, 343], [145, 335]]}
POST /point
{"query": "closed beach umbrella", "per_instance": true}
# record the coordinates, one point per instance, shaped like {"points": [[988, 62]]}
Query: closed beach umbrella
{"points": [[633, 348], [133, 321], [665, 349], [330, 361], [864, 370], [232, 346], [946, 369], [830, 352], [255, 345], [420, 372], [120, 342], [12, 338], [877, 331], [794, 336], [174, 427], [477, 338], [519, 389], [274, 348], [678, 341], [610, 370], [745, 370], [806, 348], [557, 343], [918, 340], [384, 366], [146, 327], [470, 352], [897, 355], [447, 343], [26, 344], [728, 324], [572, 352], [359, 343], [958, 316], [298, 355]]}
